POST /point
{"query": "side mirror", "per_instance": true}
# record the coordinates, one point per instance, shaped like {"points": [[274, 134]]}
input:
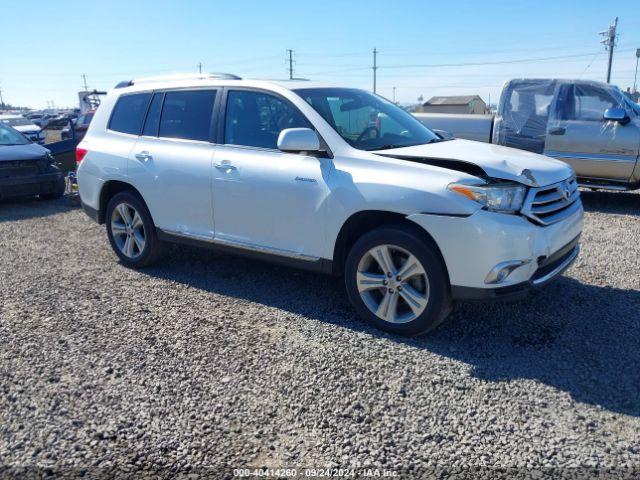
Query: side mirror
{"points": [[616, 115], [298, 140]]}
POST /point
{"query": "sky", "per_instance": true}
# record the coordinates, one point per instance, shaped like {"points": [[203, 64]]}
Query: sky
{"points": [[426, 48]]}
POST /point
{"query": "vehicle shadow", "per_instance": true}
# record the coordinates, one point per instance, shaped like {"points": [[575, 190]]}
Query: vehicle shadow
{"points": [[25, 208], [623, 203], [578, 338]]}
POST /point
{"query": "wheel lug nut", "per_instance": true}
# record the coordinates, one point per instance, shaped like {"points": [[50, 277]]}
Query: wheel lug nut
{"points": [[399, 278], [399, 288], [389, 274], [384, 282], [391, 290]]}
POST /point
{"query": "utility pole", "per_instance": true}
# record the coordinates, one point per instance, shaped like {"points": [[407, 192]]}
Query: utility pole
{"points": [[394, 94], [290, 52], [84, 80], [1, 100], [635, 78], [375, 68], [200, 67], [609, 43]]}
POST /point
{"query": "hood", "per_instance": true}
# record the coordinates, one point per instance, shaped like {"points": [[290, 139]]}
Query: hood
{"points": [[27, 128], [495, 161], [30, 151]]}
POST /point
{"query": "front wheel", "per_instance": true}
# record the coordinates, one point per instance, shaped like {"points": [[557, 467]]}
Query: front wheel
{"points": [[131, 231], [396, 280]]}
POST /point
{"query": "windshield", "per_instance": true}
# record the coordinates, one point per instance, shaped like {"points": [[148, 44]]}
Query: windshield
{"points": [[9, 136], [626, 101], [633, 106], [367, 121], [16, 121]]}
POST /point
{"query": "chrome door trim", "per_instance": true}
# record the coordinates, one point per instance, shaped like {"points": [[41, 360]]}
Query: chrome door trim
{"points": [[194, 236], [262, 249], [245, 246], [602, 157]]}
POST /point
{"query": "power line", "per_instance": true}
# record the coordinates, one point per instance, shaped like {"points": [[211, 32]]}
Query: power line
{"points": [[497, 62], [468, 64], [589, 65]]}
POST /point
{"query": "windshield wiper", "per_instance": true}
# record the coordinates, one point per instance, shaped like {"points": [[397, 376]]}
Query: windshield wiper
{"points": [[396, 145], [389, 146]]}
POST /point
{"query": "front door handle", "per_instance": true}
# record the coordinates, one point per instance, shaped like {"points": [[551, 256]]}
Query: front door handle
{"points": [[143, 156], [557, 131], [225, 166]]}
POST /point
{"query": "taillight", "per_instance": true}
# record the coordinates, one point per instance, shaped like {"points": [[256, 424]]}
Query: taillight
{"points": [[80, 154]]}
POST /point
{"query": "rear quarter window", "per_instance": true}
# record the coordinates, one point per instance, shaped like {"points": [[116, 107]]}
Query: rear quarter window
{"points": [[128, 114]]}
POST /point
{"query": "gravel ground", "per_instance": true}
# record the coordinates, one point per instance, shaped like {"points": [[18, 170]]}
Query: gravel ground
{"points": [[207, 363]]}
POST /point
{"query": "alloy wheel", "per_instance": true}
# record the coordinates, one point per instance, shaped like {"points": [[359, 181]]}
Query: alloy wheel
{"points": [[393, 284], [127, 229]]}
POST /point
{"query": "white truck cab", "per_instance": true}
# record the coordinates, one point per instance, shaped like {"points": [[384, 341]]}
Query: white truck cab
{"points": [[306, 175]]}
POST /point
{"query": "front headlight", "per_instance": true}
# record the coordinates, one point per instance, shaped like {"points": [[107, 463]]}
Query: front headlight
{"points": [[505, 198]]}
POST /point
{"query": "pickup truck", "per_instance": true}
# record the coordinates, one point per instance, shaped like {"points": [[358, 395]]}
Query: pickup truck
{"points": [[592, 126]]}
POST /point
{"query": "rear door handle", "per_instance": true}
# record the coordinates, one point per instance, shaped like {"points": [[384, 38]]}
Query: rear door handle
{"points": [[143, 156], [557, 131], [225, 166]]}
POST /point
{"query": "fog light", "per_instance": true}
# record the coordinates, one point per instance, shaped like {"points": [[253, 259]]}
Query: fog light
{"points": [[500, 272]]}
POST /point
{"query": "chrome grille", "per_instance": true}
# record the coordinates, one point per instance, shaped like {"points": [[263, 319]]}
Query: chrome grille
{"points": [[548, 205]]}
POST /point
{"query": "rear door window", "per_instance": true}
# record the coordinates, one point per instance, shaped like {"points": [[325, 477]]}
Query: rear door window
{"points": [[187, 114], [129, 112]]}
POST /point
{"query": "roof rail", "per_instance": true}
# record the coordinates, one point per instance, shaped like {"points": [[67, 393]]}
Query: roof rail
{"points": [[178, 76], [124, 84]]}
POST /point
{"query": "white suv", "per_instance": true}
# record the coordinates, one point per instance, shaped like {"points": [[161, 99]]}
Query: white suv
{"points": [[336, 180]]}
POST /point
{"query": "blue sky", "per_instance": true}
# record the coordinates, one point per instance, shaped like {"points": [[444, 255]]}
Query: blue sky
{"points": [[48, 45]]}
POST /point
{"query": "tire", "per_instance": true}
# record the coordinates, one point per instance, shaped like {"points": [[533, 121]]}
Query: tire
{"points": [[133, 237], [422, 297]]}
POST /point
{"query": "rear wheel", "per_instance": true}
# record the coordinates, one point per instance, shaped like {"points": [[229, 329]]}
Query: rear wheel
{"points": [[131, 231], [397, 281]]}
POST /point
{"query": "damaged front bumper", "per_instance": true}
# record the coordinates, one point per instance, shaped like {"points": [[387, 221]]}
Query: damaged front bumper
{"points": [[474, 246]]}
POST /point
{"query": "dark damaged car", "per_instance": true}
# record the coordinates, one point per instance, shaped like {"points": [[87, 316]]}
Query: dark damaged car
{"points": [[26, 168]]}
